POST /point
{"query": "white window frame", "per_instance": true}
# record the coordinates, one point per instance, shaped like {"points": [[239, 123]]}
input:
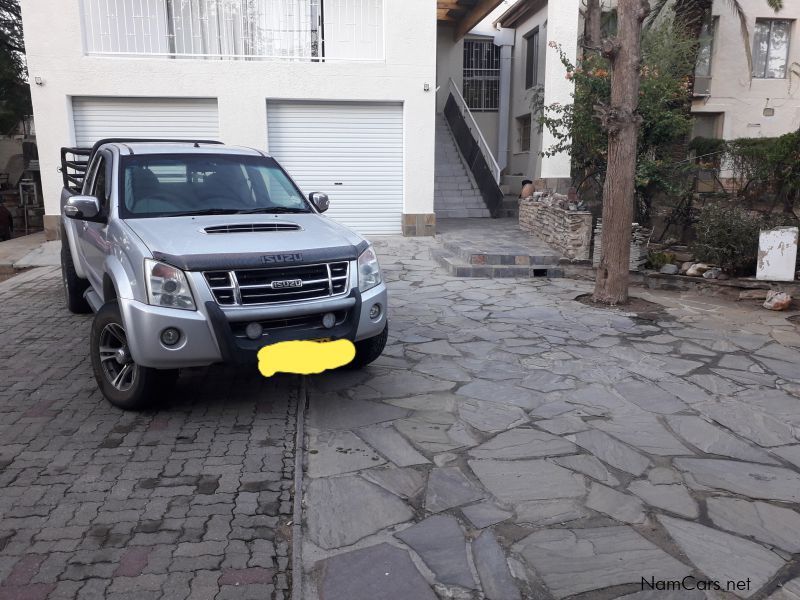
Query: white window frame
{"points": [[765, 73], [522, 122]]}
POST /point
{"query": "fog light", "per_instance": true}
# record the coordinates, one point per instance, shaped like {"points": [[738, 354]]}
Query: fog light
{"points": [[254, 331], [375, 311], [170, 336], [329, 320]]}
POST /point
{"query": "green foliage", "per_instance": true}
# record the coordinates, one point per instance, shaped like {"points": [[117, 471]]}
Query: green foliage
{"points": [[774, 162], [667, 61], [727, 236], [707, 147], [656, 260], [15, 100]]}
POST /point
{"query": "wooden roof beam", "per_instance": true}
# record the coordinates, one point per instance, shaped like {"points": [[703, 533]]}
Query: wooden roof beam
{"points": [[475, 16]]}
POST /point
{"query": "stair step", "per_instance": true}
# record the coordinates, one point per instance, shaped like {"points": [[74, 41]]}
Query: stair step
{"points": [[517, 257], [458, 204], [458, 268], [462, 213], [455, 194]]}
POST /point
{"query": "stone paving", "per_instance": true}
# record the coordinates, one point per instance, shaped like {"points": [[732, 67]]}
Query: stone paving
{"points": [[513, 443], [191, 501], [510, 444]]}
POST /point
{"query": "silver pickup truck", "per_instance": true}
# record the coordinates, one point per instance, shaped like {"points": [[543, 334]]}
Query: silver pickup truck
{"points": [[192, 253]]}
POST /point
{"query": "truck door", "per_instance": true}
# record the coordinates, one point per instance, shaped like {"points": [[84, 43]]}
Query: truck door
{"points": [[93, 235]]}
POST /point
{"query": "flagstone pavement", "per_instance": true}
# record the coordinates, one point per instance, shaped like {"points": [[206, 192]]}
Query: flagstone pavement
{"points": [[513, 443]]}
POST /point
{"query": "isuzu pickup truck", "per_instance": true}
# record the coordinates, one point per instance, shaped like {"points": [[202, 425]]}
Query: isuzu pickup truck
{"points": [[192, 253]]}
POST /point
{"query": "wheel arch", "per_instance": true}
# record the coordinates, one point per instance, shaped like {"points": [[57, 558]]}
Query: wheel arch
{"points": [[68, 237], [116, 281]]}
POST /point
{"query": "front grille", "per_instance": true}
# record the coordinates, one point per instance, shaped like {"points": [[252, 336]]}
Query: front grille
{"points": [[247, 287], [252, 228], [301, 322]]}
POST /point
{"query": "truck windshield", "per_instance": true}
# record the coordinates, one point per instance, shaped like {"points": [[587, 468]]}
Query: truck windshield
{"points": [[197, 184]]}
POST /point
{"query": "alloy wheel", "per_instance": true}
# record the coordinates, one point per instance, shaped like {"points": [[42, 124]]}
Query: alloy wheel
{"points": [[115, 358]]}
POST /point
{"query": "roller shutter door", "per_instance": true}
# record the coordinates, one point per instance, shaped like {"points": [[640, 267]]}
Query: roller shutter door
{"points": [[180, 118], [352, 151]]}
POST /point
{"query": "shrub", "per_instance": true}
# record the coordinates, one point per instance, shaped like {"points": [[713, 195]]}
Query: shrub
{"points": [[772, 162], [668, 58], [727, 236], [656, 260]]}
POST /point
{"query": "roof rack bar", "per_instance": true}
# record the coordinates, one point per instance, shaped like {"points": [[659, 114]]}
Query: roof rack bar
{"points": [[99, 143]]}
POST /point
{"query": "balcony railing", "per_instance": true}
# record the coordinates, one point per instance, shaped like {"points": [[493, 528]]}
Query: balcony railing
{"points": [[301, 30]]}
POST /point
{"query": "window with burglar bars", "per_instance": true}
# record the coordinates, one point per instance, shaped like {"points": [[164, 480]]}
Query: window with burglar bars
{"points": [[235, 29], [481, 75]]}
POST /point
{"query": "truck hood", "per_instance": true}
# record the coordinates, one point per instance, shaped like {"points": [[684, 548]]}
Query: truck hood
{"points": [[185, 243]]}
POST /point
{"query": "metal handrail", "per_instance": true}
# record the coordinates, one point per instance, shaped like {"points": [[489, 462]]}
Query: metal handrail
{"points": [[475, 130]]}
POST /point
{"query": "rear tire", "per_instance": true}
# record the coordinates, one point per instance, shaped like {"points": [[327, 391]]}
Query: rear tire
{"points": [[125, 384], [370, 349], [74, 286]]}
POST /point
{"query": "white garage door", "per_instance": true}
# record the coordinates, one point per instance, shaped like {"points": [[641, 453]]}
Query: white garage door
{"points": [[179, 118], [351, 151]]}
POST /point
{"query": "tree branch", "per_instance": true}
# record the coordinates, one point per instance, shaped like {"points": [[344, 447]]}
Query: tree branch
{"points": [[610, 47]]}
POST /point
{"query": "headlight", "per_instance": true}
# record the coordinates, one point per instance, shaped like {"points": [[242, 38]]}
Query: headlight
{"points": [[167, 286], [369, 271]]}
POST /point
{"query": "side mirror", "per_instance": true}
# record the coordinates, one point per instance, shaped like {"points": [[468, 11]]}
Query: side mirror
{"points": [[82, 208], [320, 201]]}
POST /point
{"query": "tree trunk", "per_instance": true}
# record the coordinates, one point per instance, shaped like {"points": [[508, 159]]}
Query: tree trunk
{"points": [[592, 35], [611, 284]]}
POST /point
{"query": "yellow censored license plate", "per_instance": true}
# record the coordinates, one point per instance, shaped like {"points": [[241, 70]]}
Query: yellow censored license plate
{"points": [[305, 357]]}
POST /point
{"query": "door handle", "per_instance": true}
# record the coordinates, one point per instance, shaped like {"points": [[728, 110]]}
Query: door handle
{"points": [[338, 183]]}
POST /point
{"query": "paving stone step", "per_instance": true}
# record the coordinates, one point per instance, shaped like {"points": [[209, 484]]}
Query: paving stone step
{"points": [[509, 257], [455, 203], [459, 200], [459, 268], [463, 213], [444, 206]]}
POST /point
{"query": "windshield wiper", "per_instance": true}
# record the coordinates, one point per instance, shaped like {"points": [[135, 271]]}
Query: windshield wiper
{"points": [[274, 210], [208, 211], [236, 211]]}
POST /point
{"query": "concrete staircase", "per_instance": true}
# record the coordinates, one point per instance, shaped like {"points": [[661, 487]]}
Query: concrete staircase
{"points": [[455, 193]]}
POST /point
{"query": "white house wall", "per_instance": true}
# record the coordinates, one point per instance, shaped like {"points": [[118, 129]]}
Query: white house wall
{"points": [[55, 54], [563, 28], [741, 98], [449, 63], [488, 122], [527, 163]]}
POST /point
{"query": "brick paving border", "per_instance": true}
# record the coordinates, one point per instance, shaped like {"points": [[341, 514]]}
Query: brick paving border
{"points": [[191, 500]]}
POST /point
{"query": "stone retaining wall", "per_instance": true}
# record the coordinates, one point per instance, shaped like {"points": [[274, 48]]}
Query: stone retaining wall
{"points": [[569, 232]]}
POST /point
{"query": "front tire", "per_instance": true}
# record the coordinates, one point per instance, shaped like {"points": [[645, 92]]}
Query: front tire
{"points": [[125, 384], [74, 286], [370, 349]]}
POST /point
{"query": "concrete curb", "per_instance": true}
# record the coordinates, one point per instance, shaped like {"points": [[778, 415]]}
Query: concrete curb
{"points": [[297, 511], [27, 276]]}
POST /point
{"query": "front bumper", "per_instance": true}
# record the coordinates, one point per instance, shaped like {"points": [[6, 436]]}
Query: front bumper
{"points": [[208, 335]]}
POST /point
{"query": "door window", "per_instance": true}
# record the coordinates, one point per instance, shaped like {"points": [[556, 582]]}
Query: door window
{"points": [[100, 185]]}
